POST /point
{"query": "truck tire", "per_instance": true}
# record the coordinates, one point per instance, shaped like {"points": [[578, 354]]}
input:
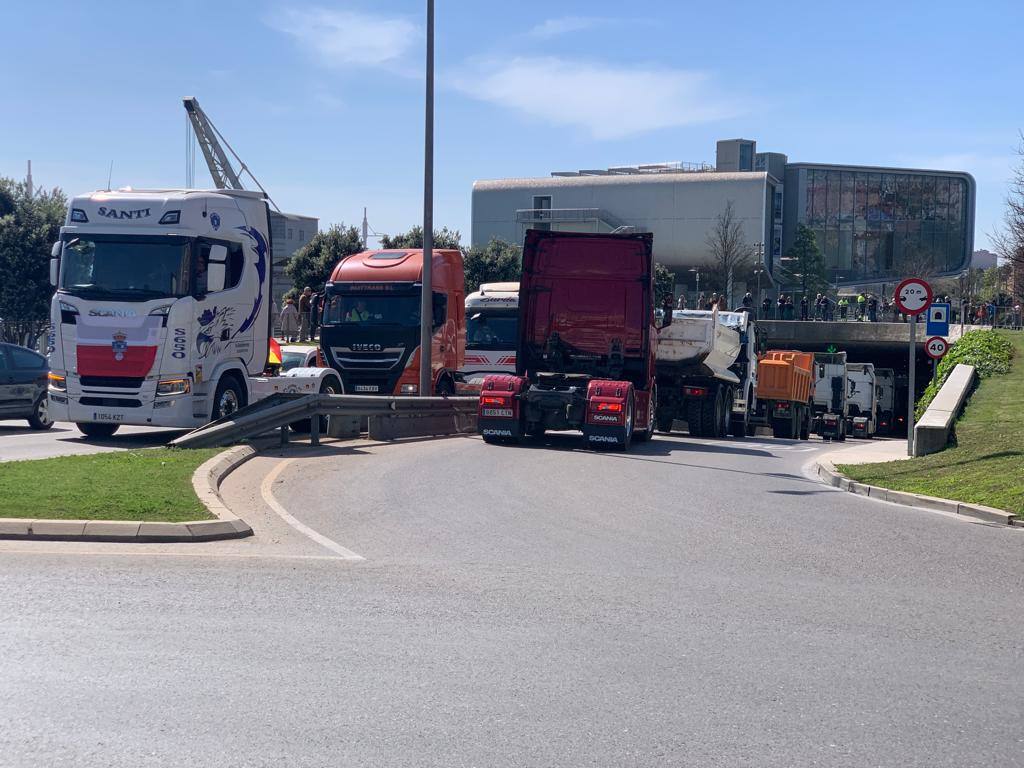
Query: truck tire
{"points": [[97, 431], [664, 423], [710, 415], [228, 397], [805, 425], [644, 435]]}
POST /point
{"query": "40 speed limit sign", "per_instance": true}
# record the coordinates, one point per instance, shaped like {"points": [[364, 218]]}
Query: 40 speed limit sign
{"points": [[936, 347], [913, 296]]}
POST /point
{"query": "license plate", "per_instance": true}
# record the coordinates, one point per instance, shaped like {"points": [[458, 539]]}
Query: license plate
{"points": [[108, 416], [366, 388], [500, 413]]}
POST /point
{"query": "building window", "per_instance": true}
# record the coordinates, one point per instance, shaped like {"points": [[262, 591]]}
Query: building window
{"points": [[302, 235], [541, 212], [746, 156], [291, 233]]}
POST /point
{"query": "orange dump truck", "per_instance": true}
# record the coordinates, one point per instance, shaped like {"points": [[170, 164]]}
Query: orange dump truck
{"points": [[785, 392]]}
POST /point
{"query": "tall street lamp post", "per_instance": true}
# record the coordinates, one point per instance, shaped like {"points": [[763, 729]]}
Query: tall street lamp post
{"points": [[427, 298]]}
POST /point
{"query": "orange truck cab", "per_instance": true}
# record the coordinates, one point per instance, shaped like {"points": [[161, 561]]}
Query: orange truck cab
{"points": [[371, 321], [785, 392]]}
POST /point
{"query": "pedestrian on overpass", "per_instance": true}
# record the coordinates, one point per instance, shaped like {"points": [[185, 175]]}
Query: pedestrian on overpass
{"points": [[713, 303], [748, 301], [781, 311], [766, 308], [862, 303], [701, 302], [873, 309], [803, 307], [844, 306], [681, 304]]}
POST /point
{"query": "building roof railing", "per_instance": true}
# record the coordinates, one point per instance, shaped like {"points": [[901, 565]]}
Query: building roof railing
{"points": [[546, 215], [646, 168]]}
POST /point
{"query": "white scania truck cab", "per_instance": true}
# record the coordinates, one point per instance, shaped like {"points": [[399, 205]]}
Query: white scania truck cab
{"points": [[161, 314], [492, 328]]}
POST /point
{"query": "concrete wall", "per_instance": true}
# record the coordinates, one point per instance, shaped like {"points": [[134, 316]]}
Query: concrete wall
{"points": [[931, 433], [679, 208]]}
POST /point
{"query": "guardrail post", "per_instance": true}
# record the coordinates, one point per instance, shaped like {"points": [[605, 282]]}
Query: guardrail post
{"points": [[284, 435], [314, 429]]}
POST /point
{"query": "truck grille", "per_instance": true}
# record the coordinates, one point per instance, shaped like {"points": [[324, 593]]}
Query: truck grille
{"points": [[112, 382], [111, 402], [357, 362]]}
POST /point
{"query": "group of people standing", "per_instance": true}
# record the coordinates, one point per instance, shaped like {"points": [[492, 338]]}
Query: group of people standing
{"points": [[299, 322]]}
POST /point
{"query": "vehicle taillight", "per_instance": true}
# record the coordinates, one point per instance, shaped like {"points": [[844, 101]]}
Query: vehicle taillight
{"points": [[609, 407], [694, 391], [495, 401], [782, 406]]}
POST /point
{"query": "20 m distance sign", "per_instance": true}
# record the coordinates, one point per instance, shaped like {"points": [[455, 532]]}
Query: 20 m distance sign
{"points": [[913, 296]]}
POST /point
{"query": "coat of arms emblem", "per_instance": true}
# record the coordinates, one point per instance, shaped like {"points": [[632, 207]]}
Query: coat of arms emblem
{"points": [[120, 345]]}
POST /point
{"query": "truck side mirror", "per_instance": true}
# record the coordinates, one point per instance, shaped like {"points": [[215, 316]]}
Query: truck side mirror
{"points": [[55, 262]]}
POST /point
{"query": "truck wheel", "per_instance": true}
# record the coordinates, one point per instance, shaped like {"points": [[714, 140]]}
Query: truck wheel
{"points": [[716, 424], [652, 408], [445, 387], [40, 418], [228, 397], [628, 427], [782, 428], [710, 416], [805, 427], [738, 427], [97, 431], [664, 423]]}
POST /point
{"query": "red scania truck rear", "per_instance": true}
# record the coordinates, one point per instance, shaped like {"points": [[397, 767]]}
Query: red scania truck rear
{"points": [[585, 353]]}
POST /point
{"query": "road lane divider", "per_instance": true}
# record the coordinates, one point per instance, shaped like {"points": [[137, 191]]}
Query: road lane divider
{"points": [[267, 492]]}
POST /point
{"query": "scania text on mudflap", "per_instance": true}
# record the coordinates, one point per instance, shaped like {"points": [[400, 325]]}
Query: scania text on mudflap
{"points": [[585, 347], [161, 314], [370, 332]]}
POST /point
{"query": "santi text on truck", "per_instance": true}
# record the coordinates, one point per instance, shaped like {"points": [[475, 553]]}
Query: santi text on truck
{"points": [[585, 352], [371, 321], [161, 315]]}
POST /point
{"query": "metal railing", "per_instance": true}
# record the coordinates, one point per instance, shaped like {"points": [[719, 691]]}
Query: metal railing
{"points": [[555, 215], [281, 410]]}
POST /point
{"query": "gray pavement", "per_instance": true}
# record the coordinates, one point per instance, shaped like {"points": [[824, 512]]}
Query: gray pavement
{"points": [[687, 604], [18, 441]]}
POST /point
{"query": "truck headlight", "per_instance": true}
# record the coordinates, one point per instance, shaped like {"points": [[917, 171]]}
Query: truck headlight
{"points": [[57, 382], [173, 387], [410, 389]]}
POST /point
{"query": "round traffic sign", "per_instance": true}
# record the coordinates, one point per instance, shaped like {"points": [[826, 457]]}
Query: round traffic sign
{"points": [[936, 347], [913, 296]]}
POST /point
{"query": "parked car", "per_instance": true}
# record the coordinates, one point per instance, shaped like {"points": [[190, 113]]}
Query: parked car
{"points": [[297, 356], [23, 384]]}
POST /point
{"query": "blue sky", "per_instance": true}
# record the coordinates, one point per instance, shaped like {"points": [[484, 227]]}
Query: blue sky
{"points": [[324, 101]]}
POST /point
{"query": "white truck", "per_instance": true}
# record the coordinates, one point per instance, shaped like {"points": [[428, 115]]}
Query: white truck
{"points": [[707, 372], [492, 332], [885, 380], [831, 410], [162, 310], [862, 398]]}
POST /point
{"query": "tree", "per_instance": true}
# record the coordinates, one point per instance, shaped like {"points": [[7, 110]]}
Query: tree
{"points": [[29, 226], [805, 263], [496, 262], [664, 283], [730, 251], [312, 264], [445, 238]]}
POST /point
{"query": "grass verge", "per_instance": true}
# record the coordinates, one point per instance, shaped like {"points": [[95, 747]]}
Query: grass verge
{"points": [[986, 466], [154, 485]]}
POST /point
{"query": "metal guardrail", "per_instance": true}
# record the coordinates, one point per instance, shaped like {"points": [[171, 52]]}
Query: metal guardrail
{"points": [[279, 411]]}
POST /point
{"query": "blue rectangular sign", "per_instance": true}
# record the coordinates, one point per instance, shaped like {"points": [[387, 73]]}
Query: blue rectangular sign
{"points": [[938, 319]]}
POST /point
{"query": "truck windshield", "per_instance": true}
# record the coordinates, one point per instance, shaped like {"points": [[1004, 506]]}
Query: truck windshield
{"points": [[492, 329], [126, 268], [373, 309]]}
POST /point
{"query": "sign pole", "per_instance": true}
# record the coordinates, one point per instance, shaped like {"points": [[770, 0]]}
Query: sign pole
{"points": [[910, 388], [426, 387]]}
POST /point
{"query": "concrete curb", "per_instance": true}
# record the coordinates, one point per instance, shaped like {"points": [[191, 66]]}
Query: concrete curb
{"points": [[827, 472], [206, 482]]}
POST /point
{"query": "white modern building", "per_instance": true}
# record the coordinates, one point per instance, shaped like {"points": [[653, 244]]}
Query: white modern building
{"points": [[872, 224]]}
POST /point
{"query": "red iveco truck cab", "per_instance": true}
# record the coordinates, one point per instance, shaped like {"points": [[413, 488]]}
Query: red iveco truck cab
{"points": [[585, 351], [371, 321]]}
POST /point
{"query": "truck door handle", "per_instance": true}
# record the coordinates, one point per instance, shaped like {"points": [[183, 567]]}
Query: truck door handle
{"points": [[441, 348]]}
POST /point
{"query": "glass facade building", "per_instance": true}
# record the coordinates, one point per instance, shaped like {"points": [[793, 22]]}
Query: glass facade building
{"points": [[882, 224]]}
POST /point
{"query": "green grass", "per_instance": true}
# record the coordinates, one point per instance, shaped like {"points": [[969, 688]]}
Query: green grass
{"points": [[986, 466], [153, 485]]}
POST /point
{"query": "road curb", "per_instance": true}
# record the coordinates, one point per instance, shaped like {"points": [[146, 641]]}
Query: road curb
{"points": [[827, 472], [206, 482]]}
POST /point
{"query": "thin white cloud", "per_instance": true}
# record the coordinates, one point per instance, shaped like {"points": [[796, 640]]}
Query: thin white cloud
{"points": [[343, 39], [565, 25], [606, 101]]}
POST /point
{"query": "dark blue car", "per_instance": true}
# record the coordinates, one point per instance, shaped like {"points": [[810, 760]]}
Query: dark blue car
{"points": [[23, 386]]}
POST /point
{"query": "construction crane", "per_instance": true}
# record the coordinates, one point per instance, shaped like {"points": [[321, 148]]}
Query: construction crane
{"points": [[210, 140]]}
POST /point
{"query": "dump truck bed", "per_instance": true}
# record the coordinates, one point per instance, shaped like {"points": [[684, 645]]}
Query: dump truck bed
{"points": [[785, 375]]}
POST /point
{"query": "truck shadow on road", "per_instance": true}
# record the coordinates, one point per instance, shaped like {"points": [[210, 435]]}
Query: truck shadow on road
{"points": [[659, 446]]}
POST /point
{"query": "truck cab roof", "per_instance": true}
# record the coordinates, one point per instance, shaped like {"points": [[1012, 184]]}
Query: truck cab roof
{"points": [[400, 265]]}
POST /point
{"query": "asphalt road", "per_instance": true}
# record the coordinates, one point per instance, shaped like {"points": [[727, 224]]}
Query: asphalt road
{"points": [[687, 604], [19, 441]]}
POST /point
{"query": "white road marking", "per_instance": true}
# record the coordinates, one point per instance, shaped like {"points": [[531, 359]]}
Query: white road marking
{"points": [[267, 492], [149, 553]]}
